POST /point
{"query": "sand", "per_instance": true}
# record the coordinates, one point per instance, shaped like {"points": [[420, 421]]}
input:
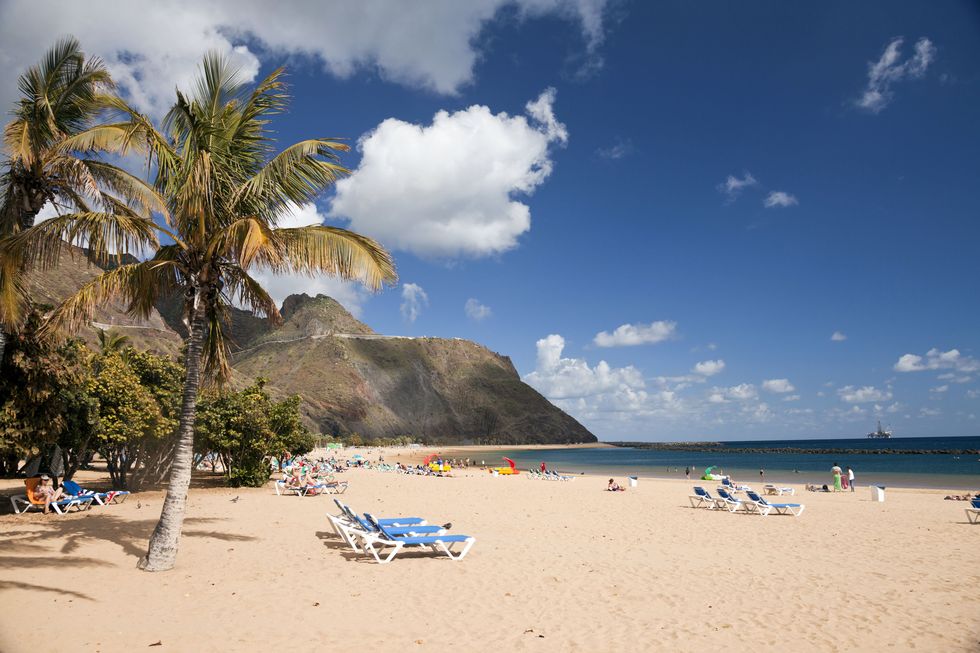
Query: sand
{"points": [[558, 566]]}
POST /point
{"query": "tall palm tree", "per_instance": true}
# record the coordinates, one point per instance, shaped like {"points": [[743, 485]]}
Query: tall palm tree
{"points": [[225, 189], [59, 98]]}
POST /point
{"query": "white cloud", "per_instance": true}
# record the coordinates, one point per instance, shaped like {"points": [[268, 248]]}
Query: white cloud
{"points": [[889, 69], [709, 368], [779, 199], [447, 189], [863, 395], [838, 336], [152, 47], [939, 389], [779, 386], [952, 377], [414, 300], [636, 334], [973, 394], [937, 360], [732, 186], [620, 149], [929, 412], [740, 392], [791, 398], [475, 310], [564, 378]]}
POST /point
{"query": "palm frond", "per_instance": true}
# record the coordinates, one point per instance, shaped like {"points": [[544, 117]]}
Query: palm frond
{"points": [[248, 241], [297, 174], [247, 292], [339, 252], [138, 284]]}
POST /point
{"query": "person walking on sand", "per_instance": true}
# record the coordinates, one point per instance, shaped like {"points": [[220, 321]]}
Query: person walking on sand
{"points": [[762, 476], [850, 477], [687, 473], [836, 471]]}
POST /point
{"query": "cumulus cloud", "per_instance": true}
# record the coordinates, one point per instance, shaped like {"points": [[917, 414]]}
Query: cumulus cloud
{"points": [[890, 69], [448, 189], [864, 395], [153, 47], [475, 310], [414, 300], [637, 334], [778, 386], [779, 199], [838, 336], [791, 398], [709, 368], [733, 186], [937, 360], [740, 392], [563, 378]]}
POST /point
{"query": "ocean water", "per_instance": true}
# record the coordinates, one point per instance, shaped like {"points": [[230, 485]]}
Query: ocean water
{"points": [[954, 472]]}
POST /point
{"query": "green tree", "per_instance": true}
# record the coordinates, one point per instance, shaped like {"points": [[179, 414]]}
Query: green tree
{"points": [[224, 189], [43, 398], [246, 428], [128, 415]]}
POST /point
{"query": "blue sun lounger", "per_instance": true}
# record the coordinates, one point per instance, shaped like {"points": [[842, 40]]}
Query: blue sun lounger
{"points": [[74, 490], [973, 513], [350, 527], [755, 503], [726, 500], [702, 499], [376, 544]]}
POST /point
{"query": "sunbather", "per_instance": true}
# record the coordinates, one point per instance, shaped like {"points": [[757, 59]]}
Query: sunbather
{"points": [[614, 487], [46, 492]]}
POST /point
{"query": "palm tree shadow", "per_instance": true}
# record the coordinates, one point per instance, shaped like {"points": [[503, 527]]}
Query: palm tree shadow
{"points": [[11, 585], [130, 535]]}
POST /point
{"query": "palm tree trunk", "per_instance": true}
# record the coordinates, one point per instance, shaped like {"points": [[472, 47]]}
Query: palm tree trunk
{"points": [[162, 552]]}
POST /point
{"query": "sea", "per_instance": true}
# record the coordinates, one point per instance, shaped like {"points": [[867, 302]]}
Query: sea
{"points": [[928, 470]]}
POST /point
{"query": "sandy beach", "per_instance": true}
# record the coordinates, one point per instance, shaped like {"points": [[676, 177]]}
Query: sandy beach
{"points": [[559, 566]]}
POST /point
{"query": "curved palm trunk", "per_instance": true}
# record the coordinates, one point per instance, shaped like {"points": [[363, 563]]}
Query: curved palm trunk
{"points": [[162, 552]]}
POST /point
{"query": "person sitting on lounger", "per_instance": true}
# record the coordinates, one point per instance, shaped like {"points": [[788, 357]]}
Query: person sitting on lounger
{"points": [[46, 492], [615, 487]]}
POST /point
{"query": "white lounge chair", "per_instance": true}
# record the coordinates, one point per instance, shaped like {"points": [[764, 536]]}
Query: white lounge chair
{"points": [[702, 499], [973, 512], [728, 501], [755, 503], [778, 491], [385, 545]]}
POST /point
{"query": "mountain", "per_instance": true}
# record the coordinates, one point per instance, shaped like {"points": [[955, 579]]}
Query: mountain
{"points": [[351, 379]]}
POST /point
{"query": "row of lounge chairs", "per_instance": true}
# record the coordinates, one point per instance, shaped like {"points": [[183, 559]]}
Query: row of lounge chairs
{"points": [[753, 503], [548, 476], [310, 489], [74, 499], [384, 538]]}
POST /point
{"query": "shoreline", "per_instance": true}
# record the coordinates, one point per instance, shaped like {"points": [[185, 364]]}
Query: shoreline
{"points": [[948, 483]]}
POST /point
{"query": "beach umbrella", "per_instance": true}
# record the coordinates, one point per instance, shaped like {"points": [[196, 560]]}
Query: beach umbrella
{"points": [[357, 455], [425, 462]]}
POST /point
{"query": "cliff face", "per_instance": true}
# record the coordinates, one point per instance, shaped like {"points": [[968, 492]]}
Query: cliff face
{"points": [[351, 379]]}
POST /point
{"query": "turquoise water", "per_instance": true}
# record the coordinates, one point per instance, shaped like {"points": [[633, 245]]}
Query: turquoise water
{"points": [[959, 472]]}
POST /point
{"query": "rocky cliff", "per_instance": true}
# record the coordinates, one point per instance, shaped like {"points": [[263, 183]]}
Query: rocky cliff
{"points": [[353, 380]]}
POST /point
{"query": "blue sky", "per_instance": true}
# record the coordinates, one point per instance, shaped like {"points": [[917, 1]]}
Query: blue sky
{"points": [[574, 185]]}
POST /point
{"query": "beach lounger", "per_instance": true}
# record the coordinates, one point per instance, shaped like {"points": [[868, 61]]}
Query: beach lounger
{"points": [[74, 490], [702, 499], [755, 503], [731, 487], [973, 512], [727, 501], [22, 503], [778, 491], [350, 527], [385, 545]]}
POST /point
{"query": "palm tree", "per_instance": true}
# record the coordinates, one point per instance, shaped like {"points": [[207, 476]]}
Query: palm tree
{"points": [[225, 189], [112, 341], [59, 97]]}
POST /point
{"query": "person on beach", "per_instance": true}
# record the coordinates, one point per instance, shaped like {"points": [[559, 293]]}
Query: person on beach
{"points": [[687, 473], [544, 467], [850, 477], [614, 487], [762, 476], [836, 471], [45, 492]]}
